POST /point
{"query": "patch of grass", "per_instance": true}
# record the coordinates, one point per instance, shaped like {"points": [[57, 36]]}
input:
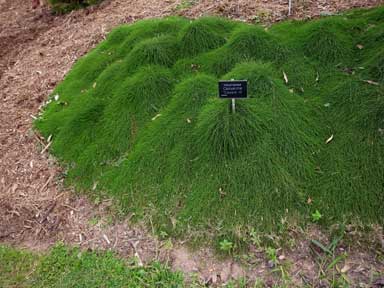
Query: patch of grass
{"points": [[203, 35], [375, 15], [70, 267], [330, 261], [328, 41], [217, 62], [376, 67], [140, 116], [65, 6], [16, 267], [252, 42], [140, 98], [354, 118], [162, 50]]}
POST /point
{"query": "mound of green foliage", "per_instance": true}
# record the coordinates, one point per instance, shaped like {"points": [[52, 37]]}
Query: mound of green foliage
{"points": [[138, 118]]}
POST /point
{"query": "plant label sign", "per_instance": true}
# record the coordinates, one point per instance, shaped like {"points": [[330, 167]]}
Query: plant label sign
{"points": [[233, 89]]}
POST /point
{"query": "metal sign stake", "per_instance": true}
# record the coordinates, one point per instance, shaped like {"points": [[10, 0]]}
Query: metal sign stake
{"points": [[232, 90]]}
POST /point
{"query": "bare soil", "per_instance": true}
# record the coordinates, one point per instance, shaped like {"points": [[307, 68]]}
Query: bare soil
{"points": [[37, 49]]}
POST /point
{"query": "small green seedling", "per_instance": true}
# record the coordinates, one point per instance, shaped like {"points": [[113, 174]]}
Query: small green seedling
{"points": [[163, 234], [271, 254], [316, 216], [255, 237], [94, 221], [226, 245]]}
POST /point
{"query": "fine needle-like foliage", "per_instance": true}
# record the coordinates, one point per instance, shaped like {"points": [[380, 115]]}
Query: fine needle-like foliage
{"points": [[138, 119]]}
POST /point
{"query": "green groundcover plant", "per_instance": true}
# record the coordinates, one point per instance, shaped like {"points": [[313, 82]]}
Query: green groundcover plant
{"points": [[139, 119], [71, 267]]}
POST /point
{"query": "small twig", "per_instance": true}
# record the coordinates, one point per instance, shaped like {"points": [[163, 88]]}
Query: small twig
{"points": [[46, 148], [46, 213], [41, 227], [39, 139], [14, 212], [106, 239], [139, 262], [87, 241], [116, 240], [70, 207], [60, 195], [46, 184]]}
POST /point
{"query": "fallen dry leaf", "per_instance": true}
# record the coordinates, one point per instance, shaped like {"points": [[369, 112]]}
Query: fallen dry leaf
{"points": [[157, 116], [345, 269], [285, 78], [371, 82], [329, 139]]}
